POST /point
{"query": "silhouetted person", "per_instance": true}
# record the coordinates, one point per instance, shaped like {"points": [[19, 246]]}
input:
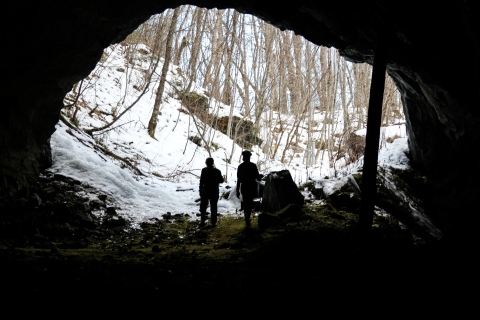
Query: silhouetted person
{"points": [[210, 178], [247, 175]]}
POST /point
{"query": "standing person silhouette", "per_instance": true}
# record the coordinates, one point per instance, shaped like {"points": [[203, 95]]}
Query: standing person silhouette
{"points": [[247, 175], [210, 178]]}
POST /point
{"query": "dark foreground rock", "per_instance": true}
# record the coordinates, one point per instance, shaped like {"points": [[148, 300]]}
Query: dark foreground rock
{"points": [[399, 194], [291, 213], [266, 220], [54, 213], [279, 191]]}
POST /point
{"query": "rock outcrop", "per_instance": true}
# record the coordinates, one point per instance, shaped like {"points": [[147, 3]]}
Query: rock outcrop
{"points": [[280, 191], [398, 196]]}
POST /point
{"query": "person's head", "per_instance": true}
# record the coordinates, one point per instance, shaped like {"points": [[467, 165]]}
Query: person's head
{"points": [[209, 162], [246, 155]]}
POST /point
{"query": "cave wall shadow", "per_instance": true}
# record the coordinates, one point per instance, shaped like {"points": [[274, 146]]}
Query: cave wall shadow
{"points": [[433, 59]]}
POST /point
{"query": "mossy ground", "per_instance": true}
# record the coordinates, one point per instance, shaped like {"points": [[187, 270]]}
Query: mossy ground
{"points": [[317, 266]]}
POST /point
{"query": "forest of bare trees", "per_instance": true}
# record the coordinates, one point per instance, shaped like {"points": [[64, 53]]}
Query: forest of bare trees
{"points": [[272, 77]]}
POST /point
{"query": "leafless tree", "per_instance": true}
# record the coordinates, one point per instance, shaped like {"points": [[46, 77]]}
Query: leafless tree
{"points": [[152, 124]]}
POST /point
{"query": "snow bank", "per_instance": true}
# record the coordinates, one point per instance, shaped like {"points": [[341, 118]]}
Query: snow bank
{"points": [[139, 198]]}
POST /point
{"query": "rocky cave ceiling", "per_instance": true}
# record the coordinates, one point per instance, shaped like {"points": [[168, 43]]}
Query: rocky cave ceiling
{"points": [[433, 58]]}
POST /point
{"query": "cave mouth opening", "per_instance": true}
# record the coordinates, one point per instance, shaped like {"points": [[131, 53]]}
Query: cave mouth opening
{"points": [[439, 108], [43, 133], [287, 75], [293, 54], [35, 93], [125, 72]]}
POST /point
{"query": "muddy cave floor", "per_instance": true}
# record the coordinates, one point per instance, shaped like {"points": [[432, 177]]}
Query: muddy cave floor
{"points": [[313, 265]]}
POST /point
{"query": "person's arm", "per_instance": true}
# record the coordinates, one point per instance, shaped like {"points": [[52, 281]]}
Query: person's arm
{"points": [[220, 177], [200, 187], [238, 181]]}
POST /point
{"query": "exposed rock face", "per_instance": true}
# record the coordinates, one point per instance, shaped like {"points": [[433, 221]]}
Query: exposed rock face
{"points": [[434, 59], [247, 134]]}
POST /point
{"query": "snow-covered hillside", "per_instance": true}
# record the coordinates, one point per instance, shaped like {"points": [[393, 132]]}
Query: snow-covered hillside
{"points": [[148, 177]]}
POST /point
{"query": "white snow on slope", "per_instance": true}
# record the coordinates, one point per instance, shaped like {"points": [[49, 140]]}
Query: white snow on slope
{"points": [[392, 155], [139, 199], [170, 162]]}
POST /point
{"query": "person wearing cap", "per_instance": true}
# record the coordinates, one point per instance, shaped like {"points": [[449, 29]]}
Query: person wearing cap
{"points": [[247, 175], [210, 178]]}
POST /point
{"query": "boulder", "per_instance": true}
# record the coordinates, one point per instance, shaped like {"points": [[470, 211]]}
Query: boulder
{"points": [[96, 204], [314, 191], [291, 212], [343, 193], [114, 222], [111, 211], [247, 132], [280, 191], [397, 195], [266, 220]]}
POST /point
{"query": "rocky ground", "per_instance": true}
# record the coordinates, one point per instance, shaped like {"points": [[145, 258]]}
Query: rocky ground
{"points": [[53, 249]]}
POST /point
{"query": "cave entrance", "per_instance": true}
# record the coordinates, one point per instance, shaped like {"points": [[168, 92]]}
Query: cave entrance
{"points": [[236, 74], [442, 118], [439, 100], [310, 98]]}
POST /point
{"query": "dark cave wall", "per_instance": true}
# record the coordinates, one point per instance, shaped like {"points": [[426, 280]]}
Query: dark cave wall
{"points": [[49, 47], [433, 58]]}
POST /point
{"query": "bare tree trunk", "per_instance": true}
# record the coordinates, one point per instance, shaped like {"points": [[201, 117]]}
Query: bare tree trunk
{"points": [[152, 124], [343, 93], [214, 51], [184, 43], [217, 58], [324, 100], [227, 91], [197, 42], [74, 105]]}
